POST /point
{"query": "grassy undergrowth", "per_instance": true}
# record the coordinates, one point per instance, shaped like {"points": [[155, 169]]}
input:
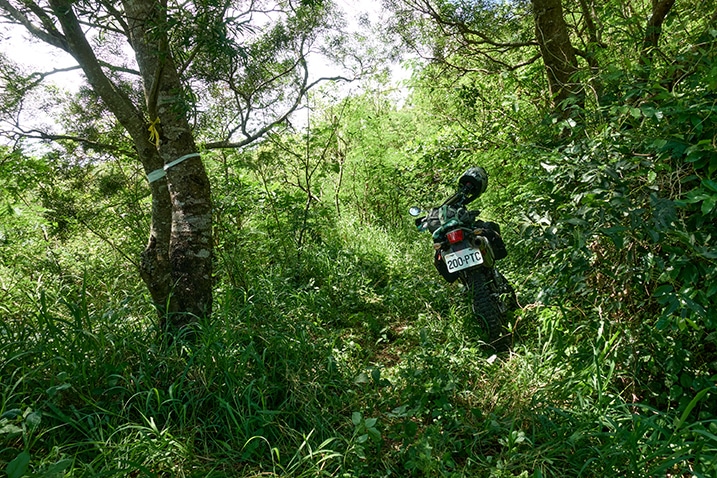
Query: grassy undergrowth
{"points": [[356, 361]]}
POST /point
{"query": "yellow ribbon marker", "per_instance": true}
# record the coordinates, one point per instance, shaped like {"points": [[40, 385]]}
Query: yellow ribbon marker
{"points": [[153, 133]]}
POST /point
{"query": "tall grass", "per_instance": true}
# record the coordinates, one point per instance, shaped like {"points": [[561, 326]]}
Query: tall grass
{"points": [[356, 361]]}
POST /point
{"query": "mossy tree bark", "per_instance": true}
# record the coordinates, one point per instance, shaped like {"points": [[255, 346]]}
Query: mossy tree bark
{"points": [[177, 262], [557, 52]]}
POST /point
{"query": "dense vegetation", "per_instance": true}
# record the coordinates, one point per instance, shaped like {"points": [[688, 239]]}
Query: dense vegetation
{"points": [[334, 348]]}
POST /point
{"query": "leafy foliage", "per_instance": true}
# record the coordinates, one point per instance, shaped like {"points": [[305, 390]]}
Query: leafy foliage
{"points": [[335, 348]]}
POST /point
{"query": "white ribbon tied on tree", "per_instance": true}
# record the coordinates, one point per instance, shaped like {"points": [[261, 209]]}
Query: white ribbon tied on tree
{"points": [[160, 173]]}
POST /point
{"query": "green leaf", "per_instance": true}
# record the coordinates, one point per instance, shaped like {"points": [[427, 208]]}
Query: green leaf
{"points": [[361, 378], [659, 143], [401, 411], [676, 392], [33, 420], [57, 468], [10, 429], [709, 204], [52, 391], [696, 196], [11, 414], [356, 418], [17, 467], [662, 290], [616, 234], [690, 406], [686, 380], [707, 434]]}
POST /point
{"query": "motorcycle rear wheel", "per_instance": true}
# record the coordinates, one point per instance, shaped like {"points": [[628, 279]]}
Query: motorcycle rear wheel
{"points": [[485, 305], [507, 292]]}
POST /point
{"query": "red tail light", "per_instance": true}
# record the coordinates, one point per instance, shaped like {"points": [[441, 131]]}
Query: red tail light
{"points": [[455, 236]]}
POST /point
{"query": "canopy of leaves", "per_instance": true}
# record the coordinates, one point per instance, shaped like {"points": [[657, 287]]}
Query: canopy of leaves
{"points": [[338, 350]]}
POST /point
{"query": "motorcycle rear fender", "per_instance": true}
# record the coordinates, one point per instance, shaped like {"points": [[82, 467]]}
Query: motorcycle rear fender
{"points": [[443, 268], [477, 242]]}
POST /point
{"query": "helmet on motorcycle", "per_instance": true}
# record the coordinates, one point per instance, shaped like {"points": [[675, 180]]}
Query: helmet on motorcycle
{"points": [[474, 182]]}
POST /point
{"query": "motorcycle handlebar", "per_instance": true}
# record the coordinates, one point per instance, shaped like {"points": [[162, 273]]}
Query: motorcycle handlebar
{"points": [[459, 198]]}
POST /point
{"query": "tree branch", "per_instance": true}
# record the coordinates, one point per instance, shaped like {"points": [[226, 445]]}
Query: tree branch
{"points": [[118, 102], [42, 135], [49, 35], [251, 137]]}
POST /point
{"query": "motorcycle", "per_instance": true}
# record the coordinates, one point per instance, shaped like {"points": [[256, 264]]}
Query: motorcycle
{"points": [[467, 249]]}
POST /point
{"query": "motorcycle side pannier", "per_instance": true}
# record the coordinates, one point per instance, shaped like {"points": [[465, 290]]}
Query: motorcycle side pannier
{"points": [[492, 233]]}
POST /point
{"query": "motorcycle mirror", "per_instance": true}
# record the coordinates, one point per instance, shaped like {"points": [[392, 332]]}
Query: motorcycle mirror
{"points": [[414, 211]]}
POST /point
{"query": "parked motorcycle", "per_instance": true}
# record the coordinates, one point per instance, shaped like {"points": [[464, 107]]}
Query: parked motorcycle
{"points": [[467, 249]]}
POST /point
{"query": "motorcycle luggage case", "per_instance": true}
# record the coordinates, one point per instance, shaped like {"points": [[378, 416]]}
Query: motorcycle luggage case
{"points": [[491, 231], [497, 243]]}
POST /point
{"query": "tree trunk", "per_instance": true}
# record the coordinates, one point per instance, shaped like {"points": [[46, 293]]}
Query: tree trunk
{"points": [[190, 210], [653, 30], [557, 51], [177, 262]]}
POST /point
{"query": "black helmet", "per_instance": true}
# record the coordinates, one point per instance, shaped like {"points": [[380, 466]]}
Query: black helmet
{"points": [[474, 182]]}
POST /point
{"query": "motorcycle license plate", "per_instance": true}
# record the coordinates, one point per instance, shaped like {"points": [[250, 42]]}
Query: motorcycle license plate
{"points": [[457, 261]]}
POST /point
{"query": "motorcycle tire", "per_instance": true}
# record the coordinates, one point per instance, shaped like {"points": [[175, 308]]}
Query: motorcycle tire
{"points": [[507, 292], [485, 305]]}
